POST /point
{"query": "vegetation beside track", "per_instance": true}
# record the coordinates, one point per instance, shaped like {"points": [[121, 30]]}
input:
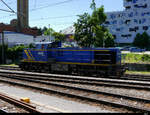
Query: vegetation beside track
{"points": [[138, 72], [136, 58], [11, 65]]}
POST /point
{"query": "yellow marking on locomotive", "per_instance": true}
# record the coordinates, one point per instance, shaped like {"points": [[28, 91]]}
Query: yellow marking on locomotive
{"points": [[34, 61], [90, 64], [87, 64], [27, 54], [71, 50], [31, 54]]}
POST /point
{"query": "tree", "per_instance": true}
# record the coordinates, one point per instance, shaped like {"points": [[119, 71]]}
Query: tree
{"points": [[58, 36], [109, 39], [137, 40], [145, 40], [93, 5], [49, 31], [83, 31], [89, 31], [142, 40]]}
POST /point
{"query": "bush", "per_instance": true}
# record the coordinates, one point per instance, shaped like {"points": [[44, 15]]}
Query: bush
{"points": [[146, 58], [14, 53], [135, 58]]}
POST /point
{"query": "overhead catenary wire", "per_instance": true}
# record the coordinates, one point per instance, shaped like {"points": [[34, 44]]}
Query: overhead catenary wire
{"points": [[50, 5], [68, 16], [11, 10], [6, 10], [38, 7]]}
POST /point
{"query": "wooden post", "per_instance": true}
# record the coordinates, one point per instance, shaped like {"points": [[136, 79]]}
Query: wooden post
{"points": [[3, 49]]}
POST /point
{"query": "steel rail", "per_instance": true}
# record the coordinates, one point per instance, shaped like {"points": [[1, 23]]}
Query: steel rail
{"points": [[125, 84], [129, 107], [136, 77], [18, 103], [3, 111], [78, 80]]}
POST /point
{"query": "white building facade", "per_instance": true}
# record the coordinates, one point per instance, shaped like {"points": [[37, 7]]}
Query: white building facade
{"points": [[14, 38], [124, 25]]}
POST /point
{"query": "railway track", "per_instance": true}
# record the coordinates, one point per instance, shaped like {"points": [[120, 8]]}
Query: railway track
{"points": [[19, 104], [82, 88], [10, 68], [3, 111], [136, 77]]}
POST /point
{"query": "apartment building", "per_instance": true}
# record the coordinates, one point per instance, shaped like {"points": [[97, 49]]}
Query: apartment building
{"points": [[135, 18]]}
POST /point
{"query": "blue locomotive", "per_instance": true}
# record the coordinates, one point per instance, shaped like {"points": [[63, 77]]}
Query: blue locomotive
{"points": [[53, 58]]}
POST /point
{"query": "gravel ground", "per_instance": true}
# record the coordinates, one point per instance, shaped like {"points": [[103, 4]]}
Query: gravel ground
{"points": [[53, 103], [84, 94], [122, 91], [10, 108]]}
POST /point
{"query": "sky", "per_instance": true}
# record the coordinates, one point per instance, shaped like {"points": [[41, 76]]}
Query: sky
{"points": [[57, 14]]}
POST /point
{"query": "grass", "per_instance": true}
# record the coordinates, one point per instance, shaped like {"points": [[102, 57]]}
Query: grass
{"points": [[138, 72], [8, 65], [136, 58]]}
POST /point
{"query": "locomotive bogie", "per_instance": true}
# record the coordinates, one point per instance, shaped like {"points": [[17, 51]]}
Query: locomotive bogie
{"points": [[59, 67]]}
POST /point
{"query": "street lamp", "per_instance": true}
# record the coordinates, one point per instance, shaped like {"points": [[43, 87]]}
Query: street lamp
{"points": [[49, 33]]}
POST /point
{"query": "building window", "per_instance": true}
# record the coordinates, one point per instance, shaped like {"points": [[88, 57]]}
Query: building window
{"points": [[127, 21], [128, 7], [145, 27]]}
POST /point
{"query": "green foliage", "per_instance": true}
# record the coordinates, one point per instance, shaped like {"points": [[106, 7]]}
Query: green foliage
{"points": [[93, 5], [14, 53], [58, 36], [89, 31], [83, 31], [142, 40], [136, 58], [109, 40], [49, 31]]}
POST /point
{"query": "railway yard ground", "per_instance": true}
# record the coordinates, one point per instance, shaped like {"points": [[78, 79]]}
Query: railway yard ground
{"points": [[53, 93]]}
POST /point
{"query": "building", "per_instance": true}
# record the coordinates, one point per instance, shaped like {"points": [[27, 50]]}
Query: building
{"points": [[44, 38], [69, 33], [15, 38], [124, 25]]}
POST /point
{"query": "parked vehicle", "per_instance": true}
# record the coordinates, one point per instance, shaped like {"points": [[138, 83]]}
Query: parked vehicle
{"points": [[135, 49], [126, 48], [120, 48]]}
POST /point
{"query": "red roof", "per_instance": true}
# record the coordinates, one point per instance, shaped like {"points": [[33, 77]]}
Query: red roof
{"points": [[29, 31]]}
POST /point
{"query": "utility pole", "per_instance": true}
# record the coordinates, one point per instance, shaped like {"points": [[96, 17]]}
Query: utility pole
{"points": [[3, 52], [103, 42], [49, 33]]}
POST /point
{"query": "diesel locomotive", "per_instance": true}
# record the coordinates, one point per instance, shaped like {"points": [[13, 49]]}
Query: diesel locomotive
{"points": [[52, 58]]}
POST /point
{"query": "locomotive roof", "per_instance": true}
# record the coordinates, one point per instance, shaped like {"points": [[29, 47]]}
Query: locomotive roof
{"points": [[43, 42], [78, 48]]}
